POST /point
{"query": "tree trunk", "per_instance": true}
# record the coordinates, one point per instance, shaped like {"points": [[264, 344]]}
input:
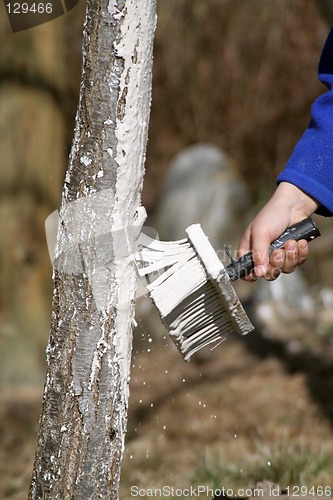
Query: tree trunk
{"points": [[84, 415]]}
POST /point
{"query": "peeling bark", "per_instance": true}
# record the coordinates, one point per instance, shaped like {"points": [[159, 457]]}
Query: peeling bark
{"points": [[84, 415]]}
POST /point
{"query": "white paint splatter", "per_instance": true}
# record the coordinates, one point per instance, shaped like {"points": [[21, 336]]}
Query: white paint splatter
{"points": [[86, 161]]}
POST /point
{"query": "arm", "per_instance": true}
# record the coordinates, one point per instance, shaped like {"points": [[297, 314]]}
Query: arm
{"points": [[310, 166]]}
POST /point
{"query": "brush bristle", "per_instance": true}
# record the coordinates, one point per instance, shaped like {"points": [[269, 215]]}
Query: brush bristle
{"points": [[201, 320], [192, 292]]}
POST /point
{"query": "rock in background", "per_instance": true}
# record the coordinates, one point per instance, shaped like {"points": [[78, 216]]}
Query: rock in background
{"points": [[202, 186]]}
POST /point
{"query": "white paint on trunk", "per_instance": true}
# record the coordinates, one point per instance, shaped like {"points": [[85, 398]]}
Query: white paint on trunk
{"points": [[86, 161], [101, 348], [131, 132]]}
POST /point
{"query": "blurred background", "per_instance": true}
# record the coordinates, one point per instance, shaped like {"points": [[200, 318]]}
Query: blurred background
{"points": [[233, 83]]}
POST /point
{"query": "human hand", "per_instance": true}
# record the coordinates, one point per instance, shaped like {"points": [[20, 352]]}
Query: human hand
{"points": [[287, 206]]}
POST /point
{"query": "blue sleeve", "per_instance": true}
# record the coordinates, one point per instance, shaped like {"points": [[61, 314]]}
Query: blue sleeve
{"points": [[310, 166]]}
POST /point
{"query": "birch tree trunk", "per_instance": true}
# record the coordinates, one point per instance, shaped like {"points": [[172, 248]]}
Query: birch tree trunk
{"points": [[84, 415]]}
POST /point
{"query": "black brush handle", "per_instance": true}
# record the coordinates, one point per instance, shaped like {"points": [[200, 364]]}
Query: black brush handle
{"points": [[303, 230]]}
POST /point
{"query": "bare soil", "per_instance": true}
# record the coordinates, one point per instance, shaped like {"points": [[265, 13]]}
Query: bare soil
{"points": [[251, 412]]}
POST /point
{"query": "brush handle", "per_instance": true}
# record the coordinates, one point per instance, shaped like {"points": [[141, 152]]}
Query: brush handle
{"points": [[304, 230]]}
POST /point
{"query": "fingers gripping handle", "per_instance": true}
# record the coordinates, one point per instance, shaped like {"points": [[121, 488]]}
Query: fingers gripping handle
{"points": [[303, 230]]}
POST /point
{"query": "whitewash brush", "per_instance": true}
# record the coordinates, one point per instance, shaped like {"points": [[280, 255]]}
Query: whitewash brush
{"points": [[192, 289]]}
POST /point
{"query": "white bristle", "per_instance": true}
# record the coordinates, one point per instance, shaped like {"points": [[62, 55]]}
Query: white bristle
{"points": [[171, 292], [154, 255], [191, 291], [202, 321]]}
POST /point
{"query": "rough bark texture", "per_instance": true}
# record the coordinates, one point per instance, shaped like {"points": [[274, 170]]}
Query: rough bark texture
{"points": [[84, 416]]}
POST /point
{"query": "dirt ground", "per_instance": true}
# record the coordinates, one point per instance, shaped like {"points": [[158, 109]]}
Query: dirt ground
{"points": [[255, 411]]}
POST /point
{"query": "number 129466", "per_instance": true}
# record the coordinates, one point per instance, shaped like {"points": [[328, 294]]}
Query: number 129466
{"points": [[25, 8], [303, 491]]}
